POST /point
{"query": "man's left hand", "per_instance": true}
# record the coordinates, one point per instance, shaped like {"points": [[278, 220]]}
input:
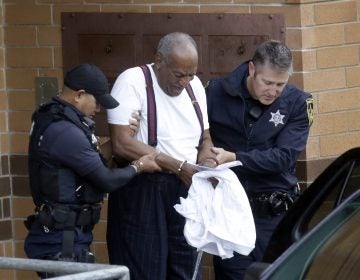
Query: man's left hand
{"points": [[134, 122]]}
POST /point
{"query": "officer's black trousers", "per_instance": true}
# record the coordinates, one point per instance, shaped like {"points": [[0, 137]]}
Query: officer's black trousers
{"points": [[235, 267]]}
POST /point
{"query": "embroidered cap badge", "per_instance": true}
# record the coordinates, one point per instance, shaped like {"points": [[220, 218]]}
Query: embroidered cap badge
{"points": [[310, 110]]}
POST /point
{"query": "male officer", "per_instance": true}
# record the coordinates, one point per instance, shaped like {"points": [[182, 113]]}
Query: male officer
{"points": [[68, 177], [263, 122]]}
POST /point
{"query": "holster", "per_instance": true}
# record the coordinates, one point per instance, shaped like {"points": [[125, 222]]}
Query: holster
{"points": [[270, 204], [88, 216], [85, 256], [29, 221]]}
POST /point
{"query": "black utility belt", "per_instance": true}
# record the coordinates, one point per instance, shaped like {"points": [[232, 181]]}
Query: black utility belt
{"points": [[269, 204], [57, 217]]}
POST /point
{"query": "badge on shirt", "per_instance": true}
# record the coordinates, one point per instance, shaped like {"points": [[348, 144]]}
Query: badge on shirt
{"points": [[95, 141], [277, 118], [310, 110]]}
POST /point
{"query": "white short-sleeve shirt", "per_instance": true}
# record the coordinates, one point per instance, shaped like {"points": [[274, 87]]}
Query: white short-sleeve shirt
{"points": [[178, 128]]}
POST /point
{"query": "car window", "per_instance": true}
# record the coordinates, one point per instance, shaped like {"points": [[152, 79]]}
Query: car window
{"points": [[354, 181], [339, 257], [329, 251], [345, 183]]}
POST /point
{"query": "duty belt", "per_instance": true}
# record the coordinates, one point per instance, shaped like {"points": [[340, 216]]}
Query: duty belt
{"points": [[58, 217], [269, 204], [66, 218]]}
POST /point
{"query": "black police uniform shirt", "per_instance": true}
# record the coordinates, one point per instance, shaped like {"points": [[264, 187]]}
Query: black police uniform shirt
{"points": [[269, 144], [65, 143]]}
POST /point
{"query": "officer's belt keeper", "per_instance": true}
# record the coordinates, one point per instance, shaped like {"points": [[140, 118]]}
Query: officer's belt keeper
{"points": [[67, 252]]}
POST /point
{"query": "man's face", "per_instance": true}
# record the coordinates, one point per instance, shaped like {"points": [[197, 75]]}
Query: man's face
{"points": [[176, 73], [266, 83], [87, 104]]}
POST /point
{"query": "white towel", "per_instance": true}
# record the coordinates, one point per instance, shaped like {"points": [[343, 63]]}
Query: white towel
{"points": [[219, 220]]}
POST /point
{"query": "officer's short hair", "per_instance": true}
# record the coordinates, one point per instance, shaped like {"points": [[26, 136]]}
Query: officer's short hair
{"points": [[276, 53]]}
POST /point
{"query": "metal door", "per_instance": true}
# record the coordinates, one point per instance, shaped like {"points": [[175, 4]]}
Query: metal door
{"points": [[115, 42]]}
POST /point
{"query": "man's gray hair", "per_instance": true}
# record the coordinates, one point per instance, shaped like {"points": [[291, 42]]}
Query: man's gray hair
{"points": [[276, 53], [172, 40]]}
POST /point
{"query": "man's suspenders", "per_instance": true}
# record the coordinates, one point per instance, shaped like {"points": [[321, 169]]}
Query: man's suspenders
{"points": [[151, 108]]}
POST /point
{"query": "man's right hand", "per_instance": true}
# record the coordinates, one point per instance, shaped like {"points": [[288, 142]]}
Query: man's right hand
{"points": [[186, 173]]}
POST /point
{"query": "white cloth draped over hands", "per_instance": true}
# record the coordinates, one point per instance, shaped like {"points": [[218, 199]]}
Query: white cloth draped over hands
{"points": [[219, 220]]}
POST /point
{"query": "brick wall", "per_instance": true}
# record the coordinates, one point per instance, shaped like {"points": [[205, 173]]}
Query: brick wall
{"points": [[6, 244], [324, 35]]}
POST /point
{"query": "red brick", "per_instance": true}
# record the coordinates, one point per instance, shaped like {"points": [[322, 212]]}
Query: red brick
{"points": [[20, 230], [27, 13], [20, 121], [2, 84], [22, 100], [100, 251], [4, 143], [19, 143], [3, 122], [20, 35], [29, 57], [20, 78], [3, 101], [2, 55], [7, 274], [49, 35], [22, 207]]}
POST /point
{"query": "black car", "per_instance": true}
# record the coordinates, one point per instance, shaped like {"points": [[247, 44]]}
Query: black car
{"points": [[319, 237]]}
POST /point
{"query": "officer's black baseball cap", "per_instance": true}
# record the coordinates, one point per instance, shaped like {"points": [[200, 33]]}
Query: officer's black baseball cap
{"points": [[92, 80]]}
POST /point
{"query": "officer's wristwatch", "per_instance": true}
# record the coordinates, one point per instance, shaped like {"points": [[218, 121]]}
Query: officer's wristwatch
{"points": [[137, 165]]}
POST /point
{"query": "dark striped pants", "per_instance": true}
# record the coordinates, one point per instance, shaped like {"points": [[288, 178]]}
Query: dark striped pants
{"points": [[144, 231]]}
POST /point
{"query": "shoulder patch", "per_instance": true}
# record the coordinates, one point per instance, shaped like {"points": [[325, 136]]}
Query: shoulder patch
{"points": [[310, 110]]}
